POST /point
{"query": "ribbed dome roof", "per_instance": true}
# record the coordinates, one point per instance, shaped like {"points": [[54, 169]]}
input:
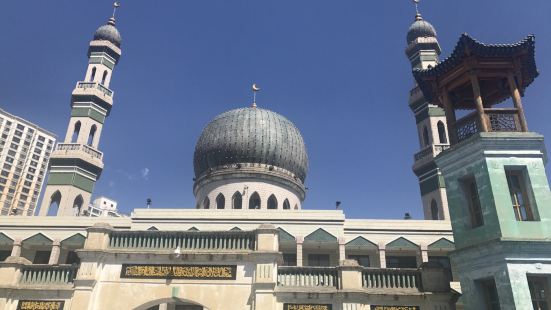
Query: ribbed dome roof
{"points": [[420, 29], [251, 135], [109, 33]]}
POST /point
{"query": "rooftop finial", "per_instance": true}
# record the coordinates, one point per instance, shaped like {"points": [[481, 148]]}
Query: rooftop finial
{"points": [[255, 90], [116, 5], [417, 14]]}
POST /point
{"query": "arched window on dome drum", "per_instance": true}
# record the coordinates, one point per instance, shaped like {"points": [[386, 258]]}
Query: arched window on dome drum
{"points": [[77, 205], [425, 136], [237, 201], [104, 77], [55, 200], [220, 201], [272, 202], [76, 131], [434, 210], [206, 203], [286, 205], [93, 74], [254, 201], [442, 133]]}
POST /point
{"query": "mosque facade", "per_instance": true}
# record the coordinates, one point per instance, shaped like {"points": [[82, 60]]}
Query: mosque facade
{"points": [[249, 244]]}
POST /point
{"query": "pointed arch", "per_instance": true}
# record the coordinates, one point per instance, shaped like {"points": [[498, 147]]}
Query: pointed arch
{"points": [[76, 131], [220, 201], [55, 201], [442, 244], [77, 205], [434, 214], [426, 140], [91, 135], [402, 244], [254, 201], [236, 229], [320, 235], [442, 137], [286, 204], [76, 241], [93, 74], [193, 229], [104, 77], [237, 201], [152, 228], [37, 240], [361, 243], [272, 202], [206, 203]]}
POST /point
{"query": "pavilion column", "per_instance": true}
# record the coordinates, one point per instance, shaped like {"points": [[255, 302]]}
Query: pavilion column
{"points": [[300, 240], [342, 249], [54, 255], [518, 102], [478, 102], [450, 116]]}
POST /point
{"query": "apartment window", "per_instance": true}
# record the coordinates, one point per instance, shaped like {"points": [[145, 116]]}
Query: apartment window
{"points": [[2, 181], [29, 177], [26, 143], [318, 259], [363, 260], [489, 291], [9, 159], [25, 190], [34, 163], [4, 173], [519, 197], [471, 194], [20, 127], [41, 138], [32, 170], [16, 140], [39, 144], [539, 292], [11, 153], [7, 166], [18, 133], [36, 157]]}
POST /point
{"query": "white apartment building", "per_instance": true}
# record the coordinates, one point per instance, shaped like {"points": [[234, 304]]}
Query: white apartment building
{"points": [[25, 151], [102, 206]]}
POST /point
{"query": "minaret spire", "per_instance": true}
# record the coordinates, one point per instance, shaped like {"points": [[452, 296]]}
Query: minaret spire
{"points": [[255, 89], [416, 7], [116, 5]]}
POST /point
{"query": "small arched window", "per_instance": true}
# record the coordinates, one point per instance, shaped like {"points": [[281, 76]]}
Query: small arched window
{"points": [[286, 205], [220, 201], [237, 201], [434, 210], [272, 202], [92, 134], [425, 136], [76, 131], [442, 133], [77, 205], [104, 77], [55, 200], [206, 203], [93, 74], [254, 201]]}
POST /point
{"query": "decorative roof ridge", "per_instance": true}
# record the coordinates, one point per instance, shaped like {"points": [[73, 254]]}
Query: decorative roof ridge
{"points": [[476, 46]]}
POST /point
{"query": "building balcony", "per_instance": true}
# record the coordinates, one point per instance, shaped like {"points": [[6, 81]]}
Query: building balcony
{"points": [[497, 120]]}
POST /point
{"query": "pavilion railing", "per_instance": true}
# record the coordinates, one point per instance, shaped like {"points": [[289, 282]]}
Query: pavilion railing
{"points": [[308, 276], [79, 147], [498, 120], [106, 91], [186, 240], [48, 274], [377, 278], [433, 149]]}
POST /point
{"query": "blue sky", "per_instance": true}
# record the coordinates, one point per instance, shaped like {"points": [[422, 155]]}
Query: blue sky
{"points": [[337, 69]]}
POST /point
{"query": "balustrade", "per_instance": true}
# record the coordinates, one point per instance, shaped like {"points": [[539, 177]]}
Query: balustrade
{"points": [[77, 147], [308, 276], [186, 240], [106, 91], [48, 274], [433, 150], [373, 278]]}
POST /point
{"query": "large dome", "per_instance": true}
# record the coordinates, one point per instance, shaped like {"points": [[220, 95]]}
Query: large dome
{"points": [[251, 135]]}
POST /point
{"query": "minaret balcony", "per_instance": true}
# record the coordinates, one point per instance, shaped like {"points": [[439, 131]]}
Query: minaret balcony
{"points": [[497, 120], [430, 152], [95, 89], [80, 151]]}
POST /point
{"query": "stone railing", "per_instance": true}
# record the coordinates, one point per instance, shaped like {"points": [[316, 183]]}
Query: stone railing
{"points": [[433, 150], [185, 240], [308, 276], [376, 278], [79, 147], [48, 274], [106, 91]]}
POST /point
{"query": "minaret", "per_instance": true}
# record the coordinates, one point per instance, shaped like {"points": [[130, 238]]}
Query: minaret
{"points": [[497, 188], [76, 164], [423, 51]]}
